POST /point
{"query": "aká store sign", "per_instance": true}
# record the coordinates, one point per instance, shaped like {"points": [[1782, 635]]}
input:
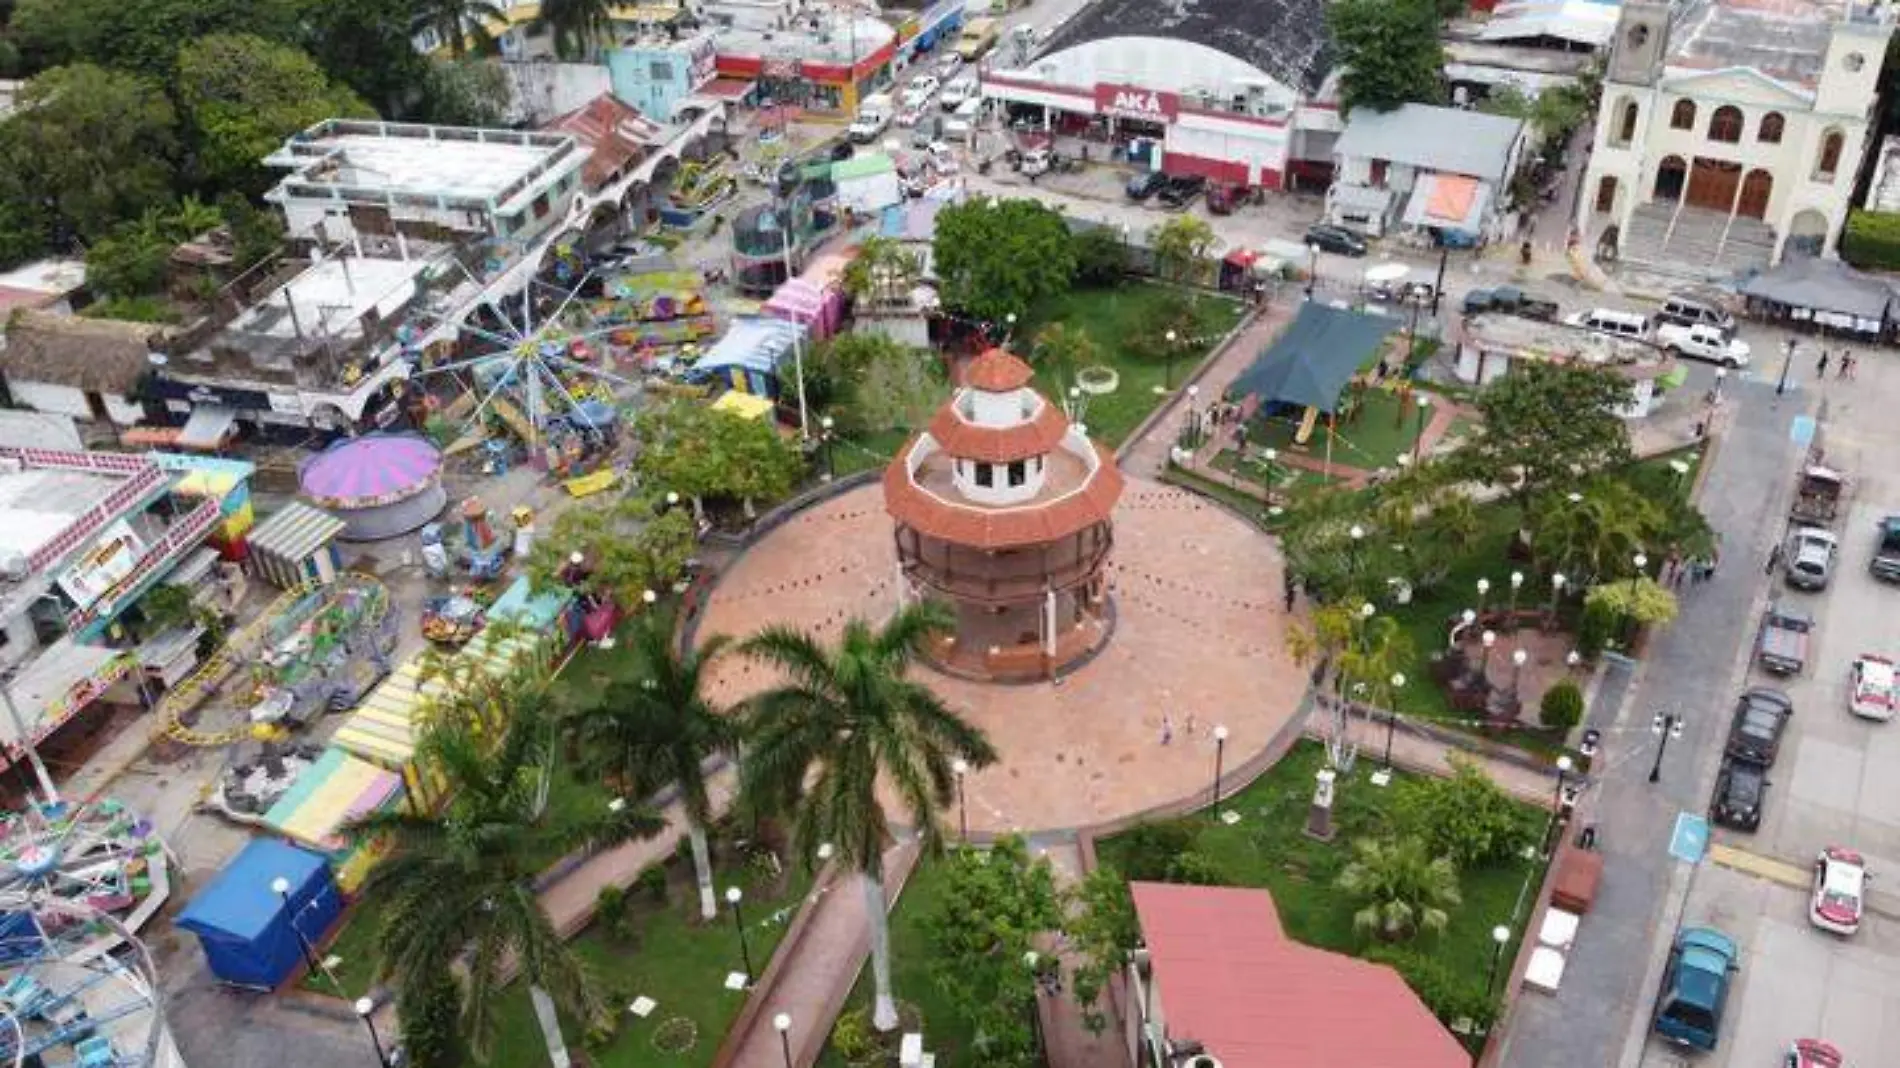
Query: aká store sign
{"points": [[1131, 102]]}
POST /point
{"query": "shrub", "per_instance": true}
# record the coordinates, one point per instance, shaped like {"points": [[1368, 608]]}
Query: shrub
{"points": [[1562, 706], [1872, 239], [1100, 257], [1151, 849], [429, 1009], [1466, 817], [652, 882], [1197, 869], [853, 1039], [1596, 629]]}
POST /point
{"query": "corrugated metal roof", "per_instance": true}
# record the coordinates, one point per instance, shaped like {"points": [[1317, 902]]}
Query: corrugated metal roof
{"points": [[295, 531], [1440, 139]]}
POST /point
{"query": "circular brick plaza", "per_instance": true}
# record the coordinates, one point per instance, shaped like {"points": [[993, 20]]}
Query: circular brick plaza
{"points": [[1198, 641]]}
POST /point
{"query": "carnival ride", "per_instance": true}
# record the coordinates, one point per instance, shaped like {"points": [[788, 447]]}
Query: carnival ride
{"points": [[316, 649], [380, 485], [77, 881]]}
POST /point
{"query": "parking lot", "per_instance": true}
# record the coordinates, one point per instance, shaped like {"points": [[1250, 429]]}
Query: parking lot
{"points": [[1833, 783]]}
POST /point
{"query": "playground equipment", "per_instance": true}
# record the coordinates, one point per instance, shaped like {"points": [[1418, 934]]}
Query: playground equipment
{"points": [[523, 517], [484, 553], [702, 185], [380, 485], [453, 619]]}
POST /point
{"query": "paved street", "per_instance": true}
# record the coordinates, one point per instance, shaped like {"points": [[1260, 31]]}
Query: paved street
{"points": [[1795, 982]]}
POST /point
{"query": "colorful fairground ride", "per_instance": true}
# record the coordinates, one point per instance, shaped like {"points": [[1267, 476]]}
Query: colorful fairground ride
{"points": [[316, 650], [471, 555], [699, 187], [77, 987]]}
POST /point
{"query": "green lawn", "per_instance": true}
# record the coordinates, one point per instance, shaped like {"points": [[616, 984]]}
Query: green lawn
{"points": [[945, 1033], [675, 960], [849, 455], [1375, 438], [1268, 848], [1112, 317]]}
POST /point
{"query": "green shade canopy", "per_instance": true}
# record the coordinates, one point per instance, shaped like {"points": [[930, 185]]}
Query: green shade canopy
{"points": [[1310, 364]]}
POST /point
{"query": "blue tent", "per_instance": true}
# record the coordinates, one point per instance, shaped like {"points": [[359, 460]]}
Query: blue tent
{"points": [[246, 928], [749, 356]]}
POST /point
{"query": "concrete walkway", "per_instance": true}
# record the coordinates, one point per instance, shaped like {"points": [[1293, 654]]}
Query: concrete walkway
{"points": [[1147, 455], [569, 900], [1428, 756], [813, 970]]}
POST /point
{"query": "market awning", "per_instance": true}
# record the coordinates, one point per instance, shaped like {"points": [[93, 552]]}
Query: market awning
{"points": [[207, 427], [722, 91], [1828, 286], [1311, 362]]}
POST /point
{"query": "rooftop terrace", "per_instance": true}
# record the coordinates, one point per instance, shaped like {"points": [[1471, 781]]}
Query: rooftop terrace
{"points": [[377, 162]]}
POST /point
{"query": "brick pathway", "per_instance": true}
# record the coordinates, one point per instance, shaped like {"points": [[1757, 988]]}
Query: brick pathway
{"points": [[813, 971], [1148, 455]]}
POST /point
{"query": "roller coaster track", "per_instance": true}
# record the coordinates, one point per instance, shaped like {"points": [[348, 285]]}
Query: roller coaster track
{"points": [[238, 649]]}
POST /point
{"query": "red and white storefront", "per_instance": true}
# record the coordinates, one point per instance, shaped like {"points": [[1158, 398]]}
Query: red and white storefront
{"points": [[1221, 145]]}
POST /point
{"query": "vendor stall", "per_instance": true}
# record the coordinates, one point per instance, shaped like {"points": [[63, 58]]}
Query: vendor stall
{"points": [[819, 309], [297, 544], [226, 481], [253, 936], [389, 722], [335, 790], [750, 357]]}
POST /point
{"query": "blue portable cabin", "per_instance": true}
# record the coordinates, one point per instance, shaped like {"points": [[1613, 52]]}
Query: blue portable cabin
{"points": [[249, 933]]}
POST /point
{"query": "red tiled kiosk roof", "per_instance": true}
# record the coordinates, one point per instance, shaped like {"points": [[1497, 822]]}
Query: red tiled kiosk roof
{"points": [[997, 371], [998, 444], [1232, 980], [1010, 527]]}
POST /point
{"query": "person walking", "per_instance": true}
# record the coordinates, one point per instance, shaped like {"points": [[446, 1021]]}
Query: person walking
{"points": [[1167, 729], [1774, 559], [1847, 365], [1820, 367]]}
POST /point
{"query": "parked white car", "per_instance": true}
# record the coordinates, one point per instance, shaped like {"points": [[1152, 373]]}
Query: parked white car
{"points": [[1840, 891], [1703, 342], [961, 90], [920, 90], [1871, 687], [964, 120]]}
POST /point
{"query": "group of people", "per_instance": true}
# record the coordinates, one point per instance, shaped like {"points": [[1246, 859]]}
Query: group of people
{"points": [[1844, 369]]}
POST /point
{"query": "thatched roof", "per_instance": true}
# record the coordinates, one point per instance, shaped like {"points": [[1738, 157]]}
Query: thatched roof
{"points": [[67, 350]]}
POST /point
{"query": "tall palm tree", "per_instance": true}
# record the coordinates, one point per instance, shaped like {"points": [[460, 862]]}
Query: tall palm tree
{"points": [[844, 716], [576, 24], [657, 729], [1404, 888], [458, 883], [458, 21]]}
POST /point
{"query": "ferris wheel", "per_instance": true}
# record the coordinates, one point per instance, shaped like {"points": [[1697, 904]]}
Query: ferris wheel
{"points": [[536, 359], [76, 881]]}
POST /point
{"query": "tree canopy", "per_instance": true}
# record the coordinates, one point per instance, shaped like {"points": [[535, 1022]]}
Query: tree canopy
{"points": [[89, 147], [1545, 424], [992, 905], [242, 96], [995, 258], [1390, 52], [1181, 246], [697, 452]]}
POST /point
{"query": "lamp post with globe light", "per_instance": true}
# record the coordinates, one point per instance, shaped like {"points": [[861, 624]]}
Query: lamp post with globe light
{"points": [[1564, 765], [1220, 752], [1556, 591], [1666, 726], [734, 896], [1510, 613], [366, 1011], [1518, 659], [1499, 936], [1424, 403], [1392, 720], [782, 1023], [1484, 590], [1488, 639]]}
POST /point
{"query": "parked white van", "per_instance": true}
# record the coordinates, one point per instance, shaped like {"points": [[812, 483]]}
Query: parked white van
{"points": [[1610, 321]]}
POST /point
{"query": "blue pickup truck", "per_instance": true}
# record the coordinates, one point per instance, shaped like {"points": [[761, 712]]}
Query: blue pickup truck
{"points": [[1695, 987]]}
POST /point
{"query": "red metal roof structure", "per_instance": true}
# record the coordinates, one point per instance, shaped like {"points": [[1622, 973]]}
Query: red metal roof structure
{"points": [[1229, 977], [618, 134]]}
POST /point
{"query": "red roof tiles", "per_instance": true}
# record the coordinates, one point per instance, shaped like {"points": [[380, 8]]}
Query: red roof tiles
{"points": [[997, 371], [1231, 979], [997, 444], [1006, 527]]}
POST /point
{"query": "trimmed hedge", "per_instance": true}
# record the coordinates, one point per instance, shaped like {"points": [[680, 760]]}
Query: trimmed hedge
{"points": [[1872, 240]]}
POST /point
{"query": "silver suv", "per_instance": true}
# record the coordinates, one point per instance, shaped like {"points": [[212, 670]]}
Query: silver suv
{"points": [[1810, 558]]}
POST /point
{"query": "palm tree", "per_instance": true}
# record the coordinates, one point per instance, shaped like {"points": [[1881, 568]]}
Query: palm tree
{"points": [[458, 883], [456, 21], [844, 716], [658, 729], [1404, 888], [576, 24]]}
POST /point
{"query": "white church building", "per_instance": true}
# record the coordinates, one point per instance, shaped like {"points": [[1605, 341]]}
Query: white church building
{"points": [[1730, 133]]}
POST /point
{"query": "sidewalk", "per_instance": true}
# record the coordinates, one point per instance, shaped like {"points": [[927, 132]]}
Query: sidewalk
{"points": [[1147, 455], [570, 899], [1414, 753], [813, 971]]}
